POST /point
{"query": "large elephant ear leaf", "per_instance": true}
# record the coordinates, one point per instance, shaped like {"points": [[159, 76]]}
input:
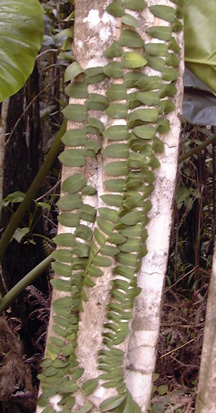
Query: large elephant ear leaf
{"points": [[21, 33], [200, 33]]}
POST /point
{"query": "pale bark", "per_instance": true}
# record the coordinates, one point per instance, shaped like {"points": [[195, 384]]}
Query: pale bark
{"points": [[95, 30], [206, 398]]}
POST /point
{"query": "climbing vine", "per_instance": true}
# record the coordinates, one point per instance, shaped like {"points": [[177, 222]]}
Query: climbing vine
{"points": [[113, 236]]}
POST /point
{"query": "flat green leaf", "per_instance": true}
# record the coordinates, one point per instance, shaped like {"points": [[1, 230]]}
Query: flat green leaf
{"points": [[89, 386], [89, 190], [149, 83], [109, 250], [61, 285], [84, 232], [109, 214], [62, 303], [75, 137], [69, 202], [166, 106], [132, 60], [146, 115], [116, 133], [115, 8], [170, 74], [116, 111], [69, 219], [105, 226], [73, 70], [177, 26], [131, 218], [163, 125], [113, 69], [145, 132], [74, 183], [125, 271], [68, 387], [137, 5], [21, 33], [116, 238], [115, 185], [112, 200], [102, 261], [75, 112], [163, 389], [117, 150], [94, 271], [131, 78], [168, 90], [148, 98], [160, 32], [156, 49], [111, 403], [64, 240], [117, 92], [173, 45], [130, 20], [172, 60], [96, 101], [115, 50], [117, 168], [61, 269], [158, 145], [77, 90], [163, 12], [156, 63], [130, 38], [73, 157], [96, 124]]}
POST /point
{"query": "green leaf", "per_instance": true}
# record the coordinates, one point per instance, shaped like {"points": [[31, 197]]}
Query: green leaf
{"points": [[146, 115], [173, 45], [74, 183], [102, 261], [73, 157], [89, 190], [84, 232], [105, 226], [75, 137], [156, 49], [109, 250], [62, 269], [156, 63], [116, 111], [117, 150], [112, 200], [61, 285], [163, 389], [166, 106], [68, 387], [172, 60], [68, 219], [160, 32], [158, 145], [130, 20], [116, 133], [177, 26], [62, 303], [115, 8], [69, 202], [148, 98], [116, 238], [145, 132], [163, 12], [117, 168], [109, 214], [86, 408], [73, 70], [94, 271], [75, 112], [97, 101], [163, 125], [170, 74], [132, 60], [111, 403], [96, 124], [130, 38], [64, 240], [115, 50], [90, 386], [77, 90], [131, 78], [149, 82], [115, 185], [131, 218], [21, 33], [137, 5], [113, 69], [117, 92]]}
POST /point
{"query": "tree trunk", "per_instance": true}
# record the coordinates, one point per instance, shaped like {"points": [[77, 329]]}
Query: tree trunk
{"points": [[103, 318], [206, 397]]}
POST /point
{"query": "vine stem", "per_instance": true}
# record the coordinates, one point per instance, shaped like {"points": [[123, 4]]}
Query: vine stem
{"points": [[27, 280], [197, 149], [32, 191]]}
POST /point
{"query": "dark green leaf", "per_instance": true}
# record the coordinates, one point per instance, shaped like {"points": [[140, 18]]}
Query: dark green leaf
{"points": [[73, 70], [77, 90], [156, 49], [149, 82], [130, 20], [166, 106], [137, 5], [112, 200], [73, 157], [160, 32], [145, 132], [115, 185], [69, 202], [94, 271], [115, 8], [156, 63], [117, 150], [116, 133], [115, 50], [109, 214], [116, 168], [163, 12], [75, 137], [74, 183], [68, 387], [113, 69], [117, 92], [75, 112], [132, 60], [172, 60], [96, 124], [89, 386], [112, 403], [146, 115], [130, 38], [116, 111], [148, 98], [102, 261], [65, 240], [62, 269], [86, 408], [170, 74]]}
